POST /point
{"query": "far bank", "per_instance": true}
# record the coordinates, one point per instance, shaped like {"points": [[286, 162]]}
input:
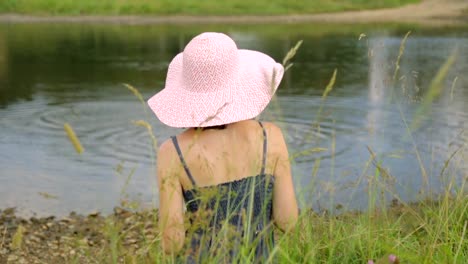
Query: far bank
{"points": [[428, 13], [190, 7]]}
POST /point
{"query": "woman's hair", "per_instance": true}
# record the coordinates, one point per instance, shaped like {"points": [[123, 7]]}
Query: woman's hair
{"points": [[213, 127]]}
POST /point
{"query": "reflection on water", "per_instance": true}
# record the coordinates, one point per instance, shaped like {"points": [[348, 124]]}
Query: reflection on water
{"points": [[3, 61], [52, 74]]}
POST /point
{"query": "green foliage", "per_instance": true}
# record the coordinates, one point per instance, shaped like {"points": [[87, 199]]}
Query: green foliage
{"points": [[429, 231], [435, 89], [17, 241], [425, 232], [188, 7]]}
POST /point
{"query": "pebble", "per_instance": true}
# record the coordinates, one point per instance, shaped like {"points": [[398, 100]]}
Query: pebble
{"points": [[65, 238], [149, 224], [122, 212], [35, 239], [131, 241], [12, 258], [129, 220], [93, 214], [66, 220], [118, 210], [9, 211]]}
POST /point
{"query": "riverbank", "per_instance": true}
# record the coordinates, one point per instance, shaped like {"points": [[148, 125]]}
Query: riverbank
{"points": [[427, 12], [190, 7], [427, 232]]}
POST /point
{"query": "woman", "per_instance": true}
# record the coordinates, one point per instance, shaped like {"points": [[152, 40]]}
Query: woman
{"points": [[232, 172]]}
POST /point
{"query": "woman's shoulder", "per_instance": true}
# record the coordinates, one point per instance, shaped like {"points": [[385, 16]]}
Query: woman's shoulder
{"points": [[166, 148], [273, 131], [252, 124], [167, 144], [276, 141], [272, 127]]}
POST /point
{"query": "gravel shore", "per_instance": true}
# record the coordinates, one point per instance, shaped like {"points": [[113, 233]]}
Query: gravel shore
{"points": [[72, 239]]}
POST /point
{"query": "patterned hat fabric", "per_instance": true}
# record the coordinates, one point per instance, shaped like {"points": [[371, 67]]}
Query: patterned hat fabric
{"points": [[212, 82]]}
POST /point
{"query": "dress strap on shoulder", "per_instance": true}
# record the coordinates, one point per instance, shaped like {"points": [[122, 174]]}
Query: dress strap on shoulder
{"points": [[264, 149], [182, 160]]}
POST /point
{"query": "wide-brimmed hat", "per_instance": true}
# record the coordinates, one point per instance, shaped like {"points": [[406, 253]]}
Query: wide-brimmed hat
{"points": [[212, 82]]}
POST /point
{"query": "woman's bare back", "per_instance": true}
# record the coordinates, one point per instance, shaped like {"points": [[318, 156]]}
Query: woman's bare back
{"points": [[216, 156]]}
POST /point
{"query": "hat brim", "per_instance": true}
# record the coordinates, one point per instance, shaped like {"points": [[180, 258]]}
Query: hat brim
{"points": [[240, 98]]}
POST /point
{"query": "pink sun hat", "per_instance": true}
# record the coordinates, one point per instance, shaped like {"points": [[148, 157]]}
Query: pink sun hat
{"points": [[212, 82]]}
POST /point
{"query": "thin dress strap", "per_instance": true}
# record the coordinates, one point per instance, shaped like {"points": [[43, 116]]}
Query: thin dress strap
{"points": [[264, 149], [182, 160]]}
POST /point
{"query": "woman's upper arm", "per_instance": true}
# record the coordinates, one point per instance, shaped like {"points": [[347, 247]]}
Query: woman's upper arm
{"points": [[171, 219], [285, 210]]}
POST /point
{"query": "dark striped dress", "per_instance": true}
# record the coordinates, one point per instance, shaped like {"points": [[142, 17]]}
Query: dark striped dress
{"points": [[230, 222]]}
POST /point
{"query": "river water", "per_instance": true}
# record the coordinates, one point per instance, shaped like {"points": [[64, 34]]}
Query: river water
{"points": [[51, 74]]}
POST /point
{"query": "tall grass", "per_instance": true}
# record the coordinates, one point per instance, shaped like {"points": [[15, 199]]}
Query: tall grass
{"points": [[73, 138], [431, 230], [426, 231], [188, 7]]}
